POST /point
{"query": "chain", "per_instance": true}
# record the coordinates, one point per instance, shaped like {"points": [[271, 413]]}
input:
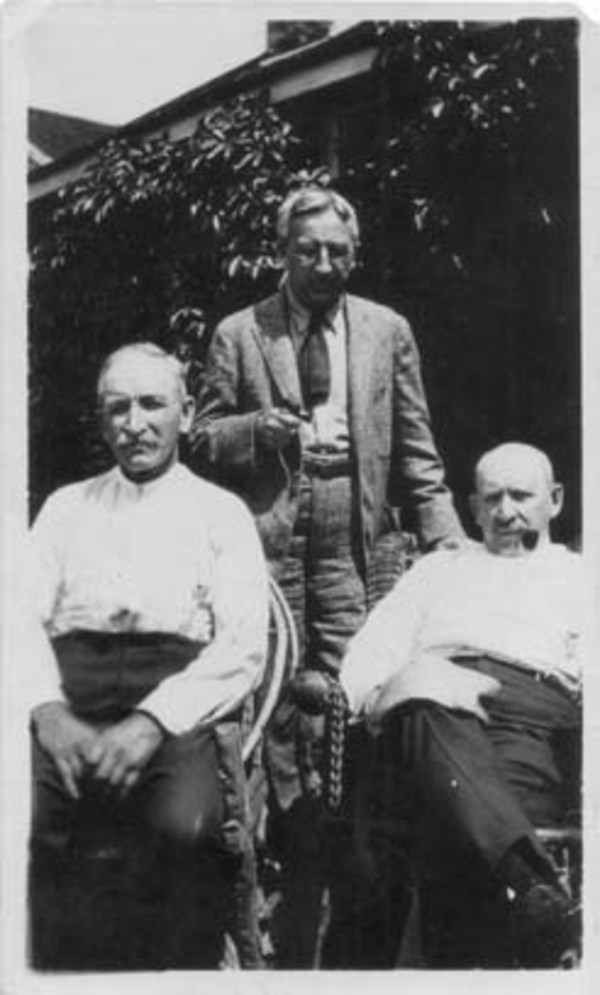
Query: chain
{"points": [[336, 728]]}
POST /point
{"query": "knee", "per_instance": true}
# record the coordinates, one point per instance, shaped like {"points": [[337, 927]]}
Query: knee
{"points": [[185, 828]]}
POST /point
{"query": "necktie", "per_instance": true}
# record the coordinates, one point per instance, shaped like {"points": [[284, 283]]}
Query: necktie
{"points": [[314, 365]]}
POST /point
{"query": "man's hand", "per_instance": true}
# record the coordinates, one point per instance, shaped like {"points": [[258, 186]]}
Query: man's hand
{"points": [[121, 751], [276, 428], [436, 678], [67, 739]]}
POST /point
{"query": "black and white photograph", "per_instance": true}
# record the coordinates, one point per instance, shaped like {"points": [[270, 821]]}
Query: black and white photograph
{"points": [[298, 663]]}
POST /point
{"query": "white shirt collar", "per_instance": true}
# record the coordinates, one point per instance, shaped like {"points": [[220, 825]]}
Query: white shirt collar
{"points": [[301, 315], [129, 487]]}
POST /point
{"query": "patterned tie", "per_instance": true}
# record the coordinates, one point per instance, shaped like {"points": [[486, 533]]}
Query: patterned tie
{"points": [[314, 365]]}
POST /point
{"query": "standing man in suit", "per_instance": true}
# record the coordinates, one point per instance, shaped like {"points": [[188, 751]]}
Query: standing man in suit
{"points": [[313, 410]]}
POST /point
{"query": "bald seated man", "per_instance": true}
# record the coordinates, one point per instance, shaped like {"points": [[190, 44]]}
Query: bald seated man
{"points": [[152, 591], [471, 669]]}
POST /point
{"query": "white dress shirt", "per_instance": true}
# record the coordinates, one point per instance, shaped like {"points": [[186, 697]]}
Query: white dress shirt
{"points": [[329, 425], [526, 610], [176, 555]]}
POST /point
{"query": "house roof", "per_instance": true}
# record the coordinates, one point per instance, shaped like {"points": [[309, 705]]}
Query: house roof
{"points": [[262, 70], [52, 136], [287, 75]]}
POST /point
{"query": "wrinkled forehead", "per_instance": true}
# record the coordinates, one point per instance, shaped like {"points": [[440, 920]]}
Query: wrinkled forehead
{"points": [[515, 470], [324, 223], [136, 375]]}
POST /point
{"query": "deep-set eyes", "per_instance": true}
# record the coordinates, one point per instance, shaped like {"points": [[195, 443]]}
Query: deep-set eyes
{"points": [[513, 495], [311, 253], [146, 403]]}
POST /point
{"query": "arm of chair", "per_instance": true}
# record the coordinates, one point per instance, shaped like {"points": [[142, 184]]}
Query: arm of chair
{"points": [[282, 661]]}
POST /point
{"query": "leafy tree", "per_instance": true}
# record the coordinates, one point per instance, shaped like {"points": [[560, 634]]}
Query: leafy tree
{"points": [[468, 192], [154, 241], [463, 168]]}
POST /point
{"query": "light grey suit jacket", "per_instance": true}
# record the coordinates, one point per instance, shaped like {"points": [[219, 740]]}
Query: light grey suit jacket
{"points": [[251, 367]]}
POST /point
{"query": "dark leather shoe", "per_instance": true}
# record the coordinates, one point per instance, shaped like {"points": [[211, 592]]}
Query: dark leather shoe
{"points": [[548, 926]]}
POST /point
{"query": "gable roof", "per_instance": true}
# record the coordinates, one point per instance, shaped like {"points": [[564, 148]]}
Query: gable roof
{"points": [[178, 116], [52, 136]]}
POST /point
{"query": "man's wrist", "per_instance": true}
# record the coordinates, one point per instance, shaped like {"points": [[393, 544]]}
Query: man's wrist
{"points": [[371, 713], [156, 723], [47, 709], [259, 421]]}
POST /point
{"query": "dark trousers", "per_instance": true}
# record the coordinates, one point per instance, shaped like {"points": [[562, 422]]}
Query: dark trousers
{"points": [[326, 592], [187, 814], [476, 791]]}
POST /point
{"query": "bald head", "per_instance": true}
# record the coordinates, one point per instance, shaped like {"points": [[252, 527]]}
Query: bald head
{"points": [[516, 457], [515, 498]]}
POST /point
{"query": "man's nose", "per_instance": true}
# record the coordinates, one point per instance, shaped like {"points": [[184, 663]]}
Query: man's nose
{"points": [[323, 264], [135, 418], [505, 509]]}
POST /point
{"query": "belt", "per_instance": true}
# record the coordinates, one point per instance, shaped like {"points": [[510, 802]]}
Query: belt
{"points": [[326, 463], [549, 677]]}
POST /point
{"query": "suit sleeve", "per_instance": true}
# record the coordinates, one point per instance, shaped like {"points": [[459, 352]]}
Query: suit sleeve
{"points": [[222, 437], [417, 472]]}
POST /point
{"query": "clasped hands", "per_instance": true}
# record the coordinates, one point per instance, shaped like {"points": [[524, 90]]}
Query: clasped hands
{"points": [[113, 755]]}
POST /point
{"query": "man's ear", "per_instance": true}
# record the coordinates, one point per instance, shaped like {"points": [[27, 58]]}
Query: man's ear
{"points": [[281, 256], [474, 507], [101, 423], [557, 498], [188, 410]]}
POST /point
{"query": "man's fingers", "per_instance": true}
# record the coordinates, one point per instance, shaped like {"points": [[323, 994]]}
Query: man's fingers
{"points": [[118, 774], [129, 781], [287, 418], [93, 752], [108, 765], [489, 686], [75, 763], [68, 778], [480, 712]]}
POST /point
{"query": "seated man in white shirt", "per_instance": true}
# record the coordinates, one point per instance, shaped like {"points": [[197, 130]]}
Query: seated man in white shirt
{"points": [[153, 593], [470, 668]]}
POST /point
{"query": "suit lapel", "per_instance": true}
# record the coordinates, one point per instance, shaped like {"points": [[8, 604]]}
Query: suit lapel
{"points": [[274, 340], [360, 353]]}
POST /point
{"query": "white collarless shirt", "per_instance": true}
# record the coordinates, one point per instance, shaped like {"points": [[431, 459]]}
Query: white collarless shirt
{"points": [[526, 610], [176, 555]]}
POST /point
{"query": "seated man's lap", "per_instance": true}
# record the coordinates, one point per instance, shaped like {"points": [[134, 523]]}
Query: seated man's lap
{"points": [[479, 788], [535, 730], [192, 787]]}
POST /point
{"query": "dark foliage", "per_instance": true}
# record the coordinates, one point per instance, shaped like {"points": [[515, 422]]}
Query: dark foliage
{"points": [[467, 193], [463, 167], [155, 241]]}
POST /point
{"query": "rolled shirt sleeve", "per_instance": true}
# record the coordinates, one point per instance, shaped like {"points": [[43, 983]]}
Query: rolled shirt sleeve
{"points": [[387, 641], [226, 670], [44, 568]]}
